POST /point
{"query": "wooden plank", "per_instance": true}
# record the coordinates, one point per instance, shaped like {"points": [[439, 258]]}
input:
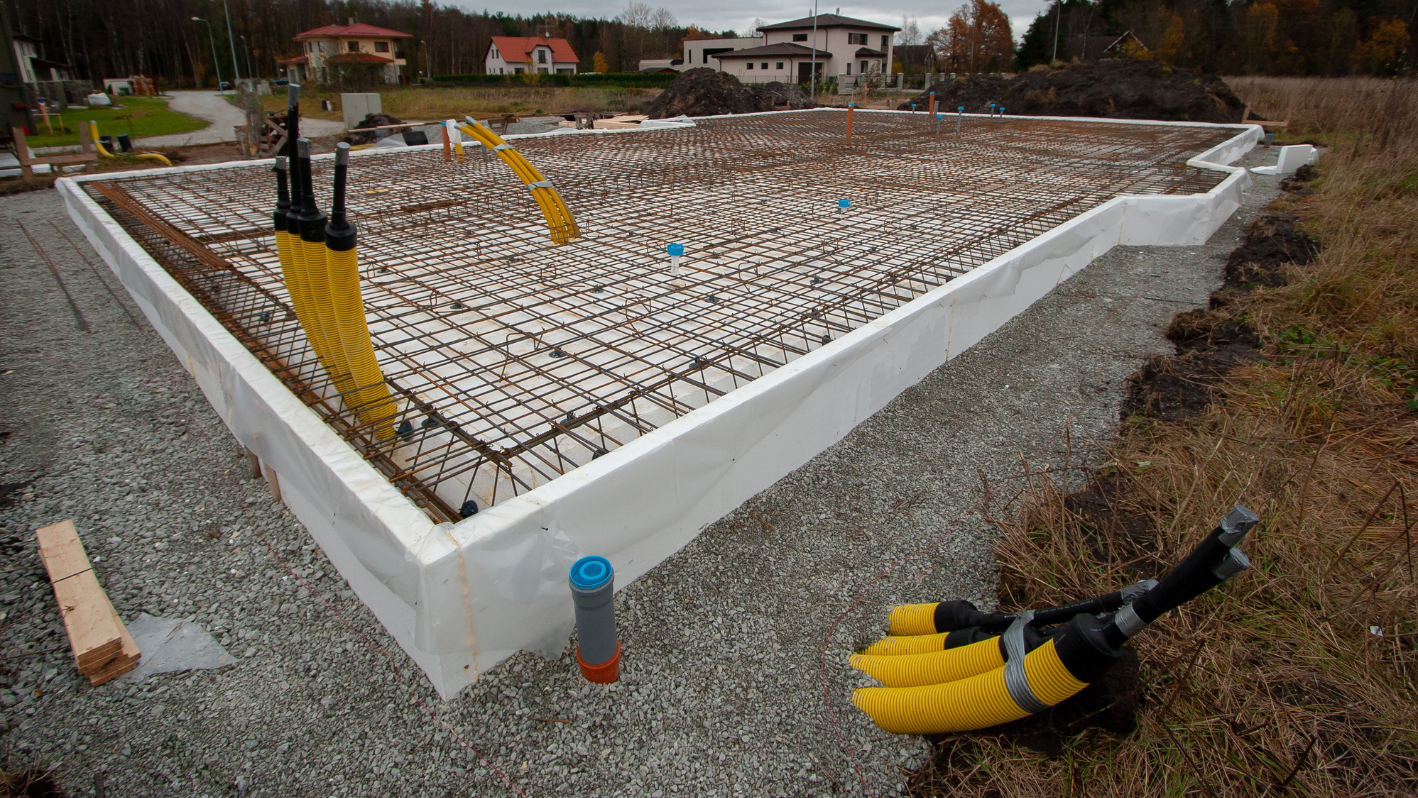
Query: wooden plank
{"points": [[60, 550], [118, 667], [94, 633]]}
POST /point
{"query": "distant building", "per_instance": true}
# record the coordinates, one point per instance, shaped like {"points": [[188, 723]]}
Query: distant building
{"points": [[341, 48], [706, 52], [516, 55], [33, 68], [787, 52]]}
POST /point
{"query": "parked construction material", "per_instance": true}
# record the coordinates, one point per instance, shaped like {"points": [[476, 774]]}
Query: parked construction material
{"points": [[29, 161], [593, 592], [101, 644], [941, 678]]}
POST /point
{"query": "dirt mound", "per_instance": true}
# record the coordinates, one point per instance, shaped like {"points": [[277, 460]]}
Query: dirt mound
{"points": [[1116, 89], [371, 121], [1271, 243], [705, 92], [779, 96]]}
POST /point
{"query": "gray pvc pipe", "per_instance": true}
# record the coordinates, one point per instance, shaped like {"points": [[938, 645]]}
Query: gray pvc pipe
{"points": [[593, 591]]}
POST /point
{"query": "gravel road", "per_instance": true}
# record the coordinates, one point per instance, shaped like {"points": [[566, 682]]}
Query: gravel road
{"points": [[224, 117], [734, 647]]}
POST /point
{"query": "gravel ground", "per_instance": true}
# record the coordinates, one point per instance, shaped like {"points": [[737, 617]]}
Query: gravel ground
{"points": [[728, 665]]}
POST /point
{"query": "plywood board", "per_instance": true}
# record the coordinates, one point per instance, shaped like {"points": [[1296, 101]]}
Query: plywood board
{"points": [[61, 551]]}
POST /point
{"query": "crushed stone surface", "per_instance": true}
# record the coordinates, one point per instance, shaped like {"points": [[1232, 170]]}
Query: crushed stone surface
{"points": [[733, 648]]}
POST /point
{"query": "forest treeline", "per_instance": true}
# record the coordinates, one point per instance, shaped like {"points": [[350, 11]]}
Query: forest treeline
{"points": [[103, 38], [1259, 37]]}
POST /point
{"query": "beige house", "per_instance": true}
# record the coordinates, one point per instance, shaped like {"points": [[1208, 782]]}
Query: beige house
{"points": [[339, 48], [846, 48]]}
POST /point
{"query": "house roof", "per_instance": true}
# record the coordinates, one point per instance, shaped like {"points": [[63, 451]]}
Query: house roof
{"points": [[358, 30], [358, 58], [300, 59], [828, 21], [867, 52], [513, 46], [779, 49]]}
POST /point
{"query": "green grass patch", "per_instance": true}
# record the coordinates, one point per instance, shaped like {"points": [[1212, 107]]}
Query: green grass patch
{"points": [[138, 117]]}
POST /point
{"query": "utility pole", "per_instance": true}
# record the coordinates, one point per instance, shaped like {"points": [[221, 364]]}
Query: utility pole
{"points": [[246, 50], [231, 41], [213, 41], [812, 85], [1058, 18]]}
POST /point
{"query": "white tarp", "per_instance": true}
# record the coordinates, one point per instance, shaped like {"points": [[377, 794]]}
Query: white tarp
{"points": [[461, 598]]}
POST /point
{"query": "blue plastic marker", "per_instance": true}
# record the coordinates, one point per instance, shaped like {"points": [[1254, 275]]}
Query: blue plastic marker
{"points": [[676, 251]]}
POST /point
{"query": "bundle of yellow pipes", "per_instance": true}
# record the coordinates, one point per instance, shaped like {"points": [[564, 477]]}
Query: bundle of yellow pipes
{"points": [[320, 264], [946, 667], [103, 151], [558, 217]]}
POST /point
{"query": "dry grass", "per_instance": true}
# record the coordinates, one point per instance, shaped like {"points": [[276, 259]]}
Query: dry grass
{"points": [[1275, 684], [428, 104]]}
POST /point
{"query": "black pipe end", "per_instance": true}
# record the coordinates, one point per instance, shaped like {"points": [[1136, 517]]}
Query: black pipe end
{"points": [[312, 228], [953, 615], [469, 509], [278, 219], [340, 239], [1084, 649], [966, 636]]}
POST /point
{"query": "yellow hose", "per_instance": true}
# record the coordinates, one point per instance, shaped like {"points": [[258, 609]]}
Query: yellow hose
{"points": [[292, 255], [371, 395], [323, 305], [560, 222], [912, 619], [906, 644], [93, 136], [939, 667], [977, 702], [152, 156]]}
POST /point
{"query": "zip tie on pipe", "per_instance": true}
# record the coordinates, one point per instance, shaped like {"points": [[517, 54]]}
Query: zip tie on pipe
{"points": [[541, 184], [501, 147]]}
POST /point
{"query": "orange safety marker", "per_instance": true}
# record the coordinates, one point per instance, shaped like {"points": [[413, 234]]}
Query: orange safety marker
{"points": [[850, 108]]}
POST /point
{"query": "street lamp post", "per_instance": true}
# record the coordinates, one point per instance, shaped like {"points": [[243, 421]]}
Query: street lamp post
{"points": [[246, 49], [423, 56], [812, 86], [210, 38], [232, 42]]}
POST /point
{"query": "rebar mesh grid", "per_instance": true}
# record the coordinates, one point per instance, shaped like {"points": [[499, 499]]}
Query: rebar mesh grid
{"points": [[516, 361]]}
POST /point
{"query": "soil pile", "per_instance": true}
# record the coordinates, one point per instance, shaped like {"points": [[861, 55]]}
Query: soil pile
{"points": [[705, 92], [779, 96], [1115, 88], [371, 121]]}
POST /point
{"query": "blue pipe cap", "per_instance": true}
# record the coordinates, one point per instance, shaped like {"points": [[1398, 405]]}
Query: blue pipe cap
{"points": [[960, 108], [844, 203], [675, 249], [589, 573]]}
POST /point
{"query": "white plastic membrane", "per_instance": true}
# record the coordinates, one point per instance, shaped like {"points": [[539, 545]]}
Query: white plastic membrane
{"points": [[1289, 160], [461, 598]]}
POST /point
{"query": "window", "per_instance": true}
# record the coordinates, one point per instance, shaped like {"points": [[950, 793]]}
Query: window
{"points": [[849, 67], [780, 65], [765, 64], [799, 37], [381, 47], [750, 65], [864, 67], [541, 56], [354, 46], [857, 38], [885, 40]]}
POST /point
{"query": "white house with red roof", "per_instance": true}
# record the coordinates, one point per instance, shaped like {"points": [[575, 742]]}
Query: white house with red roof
{"points": [[516, 55], [324, 51], [838, 46]]}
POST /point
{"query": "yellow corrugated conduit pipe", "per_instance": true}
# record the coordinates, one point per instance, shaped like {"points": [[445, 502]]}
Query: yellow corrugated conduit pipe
{"points": [[560, 222], [948, 668], [103, 151], [311, 245], [372, 404]]}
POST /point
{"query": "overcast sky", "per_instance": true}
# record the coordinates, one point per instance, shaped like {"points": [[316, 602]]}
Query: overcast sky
{"points": [[738, 15]]}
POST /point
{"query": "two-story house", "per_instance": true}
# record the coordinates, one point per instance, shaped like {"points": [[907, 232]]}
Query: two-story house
{"points": [[844, 47], [336, 47], [516, 55]]}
